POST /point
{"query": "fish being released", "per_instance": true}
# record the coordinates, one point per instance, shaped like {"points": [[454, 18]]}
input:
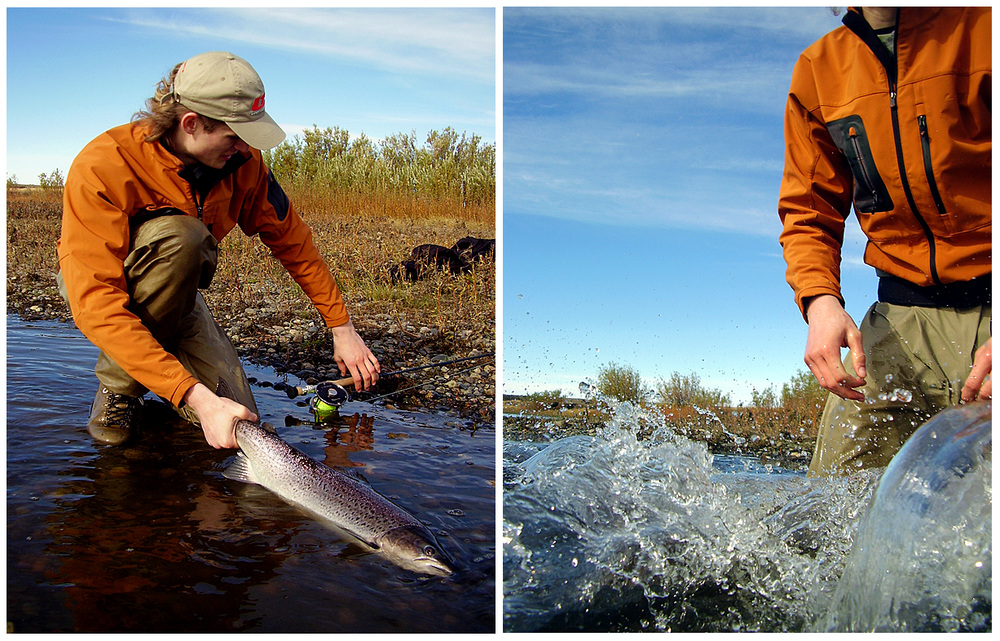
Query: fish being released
{"points": [[922, 558], [347, 502]]}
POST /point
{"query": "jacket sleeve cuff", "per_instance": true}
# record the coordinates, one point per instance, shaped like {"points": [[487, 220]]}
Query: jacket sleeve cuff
{"points": [[805, 297], [177, 398]]}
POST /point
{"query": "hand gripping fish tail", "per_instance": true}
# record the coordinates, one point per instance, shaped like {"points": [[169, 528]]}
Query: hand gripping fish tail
{"points": [[349, 504]]}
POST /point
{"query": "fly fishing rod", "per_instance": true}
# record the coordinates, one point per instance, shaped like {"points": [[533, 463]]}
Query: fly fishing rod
{"points": [[334, 394]]}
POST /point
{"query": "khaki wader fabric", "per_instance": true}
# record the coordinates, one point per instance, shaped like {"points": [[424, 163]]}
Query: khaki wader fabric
{"points": [[171, 258], [918, 359]]}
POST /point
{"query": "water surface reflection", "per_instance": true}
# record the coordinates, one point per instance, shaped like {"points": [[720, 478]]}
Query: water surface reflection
{"points": [[151, 537]]}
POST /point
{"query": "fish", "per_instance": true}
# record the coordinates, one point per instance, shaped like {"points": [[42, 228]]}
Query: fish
{"points": [[347, 502], [922, 556]]}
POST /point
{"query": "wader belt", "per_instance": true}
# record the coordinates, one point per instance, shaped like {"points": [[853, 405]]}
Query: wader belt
{"points": [[963, 295], [147, 215]]}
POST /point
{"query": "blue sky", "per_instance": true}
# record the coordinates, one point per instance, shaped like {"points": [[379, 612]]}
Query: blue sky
{"points": [[642, 156], [73, 73]]}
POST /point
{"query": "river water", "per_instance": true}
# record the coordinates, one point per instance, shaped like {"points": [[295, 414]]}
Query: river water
{"points": [[617, 533], [150, 537]]}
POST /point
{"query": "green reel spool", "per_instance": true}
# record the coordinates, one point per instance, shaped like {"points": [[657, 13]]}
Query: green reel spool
{"points": [[329, 397]]}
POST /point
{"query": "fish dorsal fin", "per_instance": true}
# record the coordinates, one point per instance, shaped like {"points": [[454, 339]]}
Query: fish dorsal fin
{"points": [[224, 390], [269, 428], [240, 470]]}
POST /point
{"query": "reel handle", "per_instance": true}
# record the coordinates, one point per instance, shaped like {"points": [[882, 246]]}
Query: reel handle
{"points": [[344, 381], [295, 392]]}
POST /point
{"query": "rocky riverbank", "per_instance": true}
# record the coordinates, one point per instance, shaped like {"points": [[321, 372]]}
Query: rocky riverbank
{"points": [[297, 346], [727, 432]]}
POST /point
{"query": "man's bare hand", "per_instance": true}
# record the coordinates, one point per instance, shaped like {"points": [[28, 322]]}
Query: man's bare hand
{"points": [[352, 355], [979, 385], [830, 330], [218, 415]]}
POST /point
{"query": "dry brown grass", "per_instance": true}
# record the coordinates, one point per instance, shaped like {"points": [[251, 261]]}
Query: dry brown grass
{"points": [[360, 240], [33, 219], [359, 237]]}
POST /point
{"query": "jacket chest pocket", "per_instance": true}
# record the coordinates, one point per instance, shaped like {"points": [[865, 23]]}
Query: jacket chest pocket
{"points": [[870, 193]]}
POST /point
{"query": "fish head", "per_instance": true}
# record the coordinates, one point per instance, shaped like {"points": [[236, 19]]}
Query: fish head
{"points": [[416, 549], [252, 436]]}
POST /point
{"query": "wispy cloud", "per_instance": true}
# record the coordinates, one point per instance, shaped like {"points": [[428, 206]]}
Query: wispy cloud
{"points": [[424, 41], [650, 117], [773, 22], [660, 53], [610, 81]]}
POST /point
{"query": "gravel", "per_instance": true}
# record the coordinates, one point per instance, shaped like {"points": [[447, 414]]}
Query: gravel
{"points": [[297, 346]]}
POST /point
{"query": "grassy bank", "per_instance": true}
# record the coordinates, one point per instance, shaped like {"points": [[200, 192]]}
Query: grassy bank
{"points": [[271, 319]]}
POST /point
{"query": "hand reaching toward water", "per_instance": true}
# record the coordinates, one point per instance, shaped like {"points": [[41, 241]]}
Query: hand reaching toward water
{"points": [[979, 385], [831, 329], [352, 355]]}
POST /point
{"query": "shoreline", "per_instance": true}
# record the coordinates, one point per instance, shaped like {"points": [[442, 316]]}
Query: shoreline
{"points": [[787, 451], [302, 347]]}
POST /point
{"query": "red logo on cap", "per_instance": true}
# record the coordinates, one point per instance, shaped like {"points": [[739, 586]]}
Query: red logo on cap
{"points": [[258, 104]]}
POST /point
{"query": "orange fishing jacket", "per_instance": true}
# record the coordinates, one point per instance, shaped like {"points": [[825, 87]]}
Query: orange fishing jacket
{"points": [[906, 139], [117, 176]]}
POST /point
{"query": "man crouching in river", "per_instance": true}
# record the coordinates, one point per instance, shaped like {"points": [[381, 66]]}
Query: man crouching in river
{"points": [[144, 208]]}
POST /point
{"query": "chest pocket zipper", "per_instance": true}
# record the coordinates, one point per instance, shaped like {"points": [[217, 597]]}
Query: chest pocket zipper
{"points": [[925, 144], [870, 193]]}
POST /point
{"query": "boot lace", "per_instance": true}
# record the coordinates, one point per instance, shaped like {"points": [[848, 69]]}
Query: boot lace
{"points": [[120, 409]]}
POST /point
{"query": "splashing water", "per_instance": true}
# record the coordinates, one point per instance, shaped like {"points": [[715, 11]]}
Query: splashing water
{"points": [[923, 556], [738, 440], [617, 533]]}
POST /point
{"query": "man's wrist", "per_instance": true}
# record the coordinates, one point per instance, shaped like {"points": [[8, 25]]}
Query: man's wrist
{"points": [[346, 327], [807, 303]]}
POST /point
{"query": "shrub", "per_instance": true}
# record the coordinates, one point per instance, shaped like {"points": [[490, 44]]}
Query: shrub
{"points": [[687, 391], [803, 398], [53, 180], [766, 399], [547, 400], [621, 383], [449, 167]]}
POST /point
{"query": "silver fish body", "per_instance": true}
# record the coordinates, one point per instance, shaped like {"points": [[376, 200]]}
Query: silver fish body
{"points": [[348, 503]]}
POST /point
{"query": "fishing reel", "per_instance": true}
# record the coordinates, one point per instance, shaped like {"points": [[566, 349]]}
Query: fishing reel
{"points": [[330, 395], [327, 400]]}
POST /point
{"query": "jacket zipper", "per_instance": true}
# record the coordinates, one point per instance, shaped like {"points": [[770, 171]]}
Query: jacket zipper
{"points": [[195, 180], [893, 77], [199, 203], [925, 143], [906, 184]]}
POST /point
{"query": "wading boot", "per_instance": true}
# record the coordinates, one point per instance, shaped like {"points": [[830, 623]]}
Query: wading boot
{"points": [[113, 416]]}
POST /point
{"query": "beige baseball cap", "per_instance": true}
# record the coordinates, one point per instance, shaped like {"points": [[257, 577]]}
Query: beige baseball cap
{"points": [[225, 87]]}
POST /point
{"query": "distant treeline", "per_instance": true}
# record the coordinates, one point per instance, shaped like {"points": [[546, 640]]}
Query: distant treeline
{"points": [[624, 383], [791, 414], [448, 166]]}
